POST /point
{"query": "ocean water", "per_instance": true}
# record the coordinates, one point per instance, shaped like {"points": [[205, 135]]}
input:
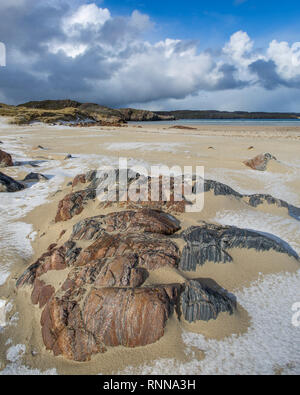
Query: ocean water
{"points": [[225, 122]]}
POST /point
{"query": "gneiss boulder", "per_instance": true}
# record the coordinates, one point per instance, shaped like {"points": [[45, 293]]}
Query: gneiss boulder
{"points": [[154, 252], [260, 162], [145, 221], [201, 303], [130, 317], [210, 243], [5, 159], [8, 184], [104, 301], [73, 204]]}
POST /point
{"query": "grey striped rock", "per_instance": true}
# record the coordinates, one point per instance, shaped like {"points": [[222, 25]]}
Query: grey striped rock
{"points": [[8, 184], [210, 243], [201, 303]]}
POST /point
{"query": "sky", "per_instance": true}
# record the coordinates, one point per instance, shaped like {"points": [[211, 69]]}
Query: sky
{"points": [[234, 55]]}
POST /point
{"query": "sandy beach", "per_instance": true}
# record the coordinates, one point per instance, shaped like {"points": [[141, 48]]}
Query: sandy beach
{"points": [[258, 338]]}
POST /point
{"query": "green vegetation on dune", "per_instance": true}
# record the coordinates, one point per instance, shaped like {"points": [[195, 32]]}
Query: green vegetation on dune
{"points": [[57, 111]]}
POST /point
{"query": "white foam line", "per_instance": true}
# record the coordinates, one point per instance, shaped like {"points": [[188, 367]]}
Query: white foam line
{"points": [[142, 146], [14, 355]]}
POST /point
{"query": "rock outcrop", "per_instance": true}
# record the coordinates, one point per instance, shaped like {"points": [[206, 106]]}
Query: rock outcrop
{"points": [[8, 184], [35, 177], [107, 297], [5, 159], [210, 243], [145, 220], [260, 162], [256, 200], [103, 301], [73, 204], [201, 303]]}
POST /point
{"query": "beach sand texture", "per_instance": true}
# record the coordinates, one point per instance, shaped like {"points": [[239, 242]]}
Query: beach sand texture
{"points": [[259, 338]]}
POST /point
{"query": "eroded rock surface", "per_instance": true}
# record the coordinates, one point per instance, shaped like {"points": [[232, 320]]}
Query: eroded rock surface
{"points": [[146, 221], [154, 252], [210, 243], [5, 159], [260, 162], [201, 303], [73, 204], [8, 184]]}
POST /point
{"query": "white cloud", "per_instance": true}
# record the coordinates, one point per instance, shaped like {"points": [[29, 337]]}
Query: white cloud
{"points": [[88, 15], [286, 58], [87, 53]]}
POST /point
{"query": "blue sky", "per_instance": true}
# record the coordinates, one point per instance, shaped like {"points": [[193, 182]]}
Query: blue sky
{"points": [[222, 54], [220, 18]]}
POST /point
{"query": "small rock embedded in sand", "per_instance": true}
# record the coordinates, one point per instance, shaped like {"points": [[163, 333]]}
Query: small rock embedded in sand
{"points": [[35, 177], [8, 184], [260, 162], [5, 159], [182, 127], [38, 147]]}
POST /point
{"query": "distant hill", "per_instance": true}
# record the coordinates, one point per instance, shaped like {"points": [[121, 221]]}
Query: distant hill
{"points": [[88, 114], [70, 111], [211, 114]]}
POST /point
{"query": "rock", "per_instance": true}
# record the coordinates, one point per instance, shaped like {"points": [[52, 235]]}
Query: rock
{"points": [[63, 331], [5, 159], [108, 314], [35, 177], [260, 162], [41, 293], [38, 147], [256, 200], [201, 303], [218, 188], [80, 179], [73, 204], [211, 242], [53, 259], [119, 271], [154, 252], [8, 184], [106, 320], [145, 221], [182, 127], [170, 199]]}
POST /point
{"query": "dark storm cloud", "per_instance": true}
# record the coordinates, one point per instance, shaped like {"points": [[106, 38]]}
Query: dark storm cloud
{"points": [[269, 77]]}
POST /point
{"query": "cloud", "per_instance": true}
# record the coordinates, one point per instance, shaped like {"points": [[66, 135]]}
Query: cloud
{"points": [[77, 49]]}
